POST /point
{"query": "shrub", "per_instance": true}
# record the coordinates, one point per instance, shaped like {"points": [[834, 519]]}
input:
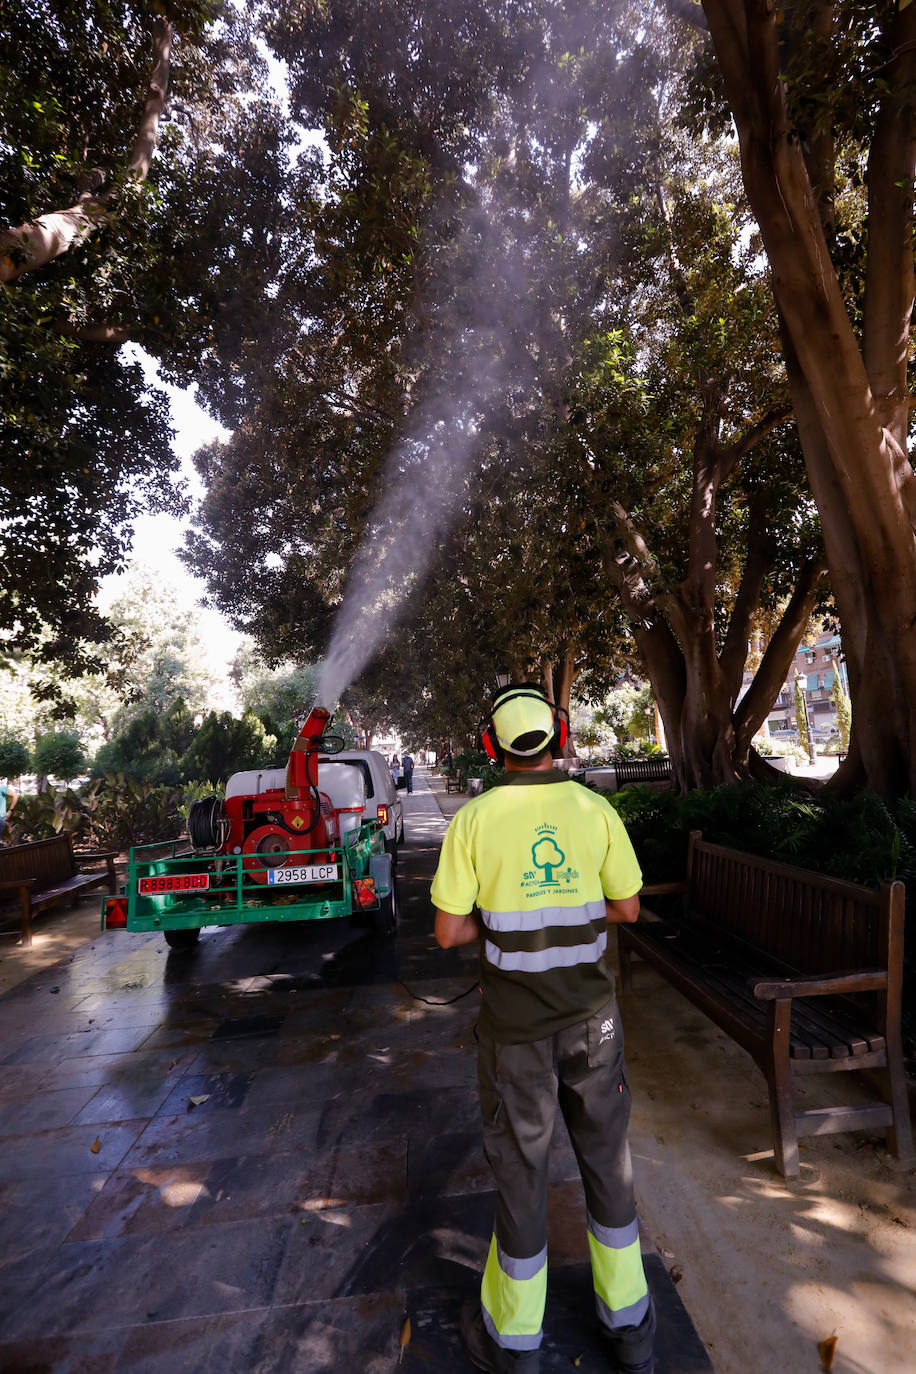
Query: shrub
{"points": [[224, 745], [15, 757], [112, 812], [59, 752], [472, 763]]}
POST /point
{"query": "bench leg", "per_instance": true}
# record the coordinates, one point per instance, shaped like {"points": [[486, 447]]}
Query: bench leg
{"points": [[779, 1083], [900, 1134], [26, 920]]}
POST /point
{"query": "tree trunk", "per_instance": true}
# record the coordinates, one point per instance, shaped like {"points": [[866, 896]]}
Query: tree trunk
{"points": [[558, 679]]}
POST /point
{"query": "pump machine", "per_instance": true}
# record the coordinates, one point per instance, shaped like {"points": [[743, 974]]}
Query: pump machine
{"points": [[282, 845]]}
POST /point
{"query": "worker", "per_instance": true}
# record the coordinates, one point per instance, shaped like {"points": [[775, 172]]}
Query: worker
{"points": [[536, 868], [8, 799]]}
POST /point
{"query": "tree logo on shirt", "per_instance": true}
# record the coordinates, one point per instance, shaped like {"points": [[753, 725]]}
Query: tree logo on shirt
{"points": [[547, 855]]}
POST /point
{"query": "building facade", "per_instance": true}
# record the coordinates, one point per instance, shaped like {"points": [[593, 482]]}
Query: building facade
{"points": [[819, 665]]}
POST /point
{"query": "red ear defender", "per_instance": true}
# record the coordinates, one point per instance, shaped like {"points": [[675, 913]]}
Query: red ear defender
{"points": [[562, 731], [491, 748]]}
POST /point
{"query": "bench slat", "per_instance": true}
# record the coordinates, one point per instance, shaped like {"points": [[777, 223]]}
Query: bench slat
{"points": [[817, 1032]]}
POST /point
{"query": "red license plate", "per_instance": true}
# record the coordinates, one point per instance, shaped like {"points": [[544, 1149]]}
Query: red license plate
{"points": [[173, 882]]}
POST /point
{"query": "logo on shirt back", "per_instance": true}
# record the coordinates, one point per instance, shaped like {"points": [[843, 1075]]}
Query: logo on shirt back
{"points": [[548, 860]]}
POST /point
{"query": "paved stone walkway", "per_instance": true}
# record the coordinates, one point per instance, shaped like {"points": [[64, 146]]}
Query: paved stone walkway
{"points": [[263, 1157]]}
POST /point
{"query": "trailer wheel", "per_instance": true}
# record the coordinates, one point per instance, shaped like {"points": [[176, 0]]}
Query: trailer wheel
{"points": [[182, 939], [385, 920]]}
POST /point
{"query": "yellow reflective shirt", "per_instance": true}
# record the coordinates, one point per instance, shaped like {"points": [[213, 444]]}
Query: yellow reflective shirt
{"points": [[538, 855]]}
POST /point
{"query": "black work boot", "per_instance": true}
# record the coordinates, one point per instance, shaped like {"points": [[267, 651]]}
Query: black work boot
{"points": [[632, 1346], [484, 1351]]}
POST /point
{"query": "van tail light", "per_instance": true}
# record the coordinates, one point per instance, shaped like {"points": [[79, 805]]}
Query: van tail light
{"points": [[114, 913], [364, 892], [383, 812]]}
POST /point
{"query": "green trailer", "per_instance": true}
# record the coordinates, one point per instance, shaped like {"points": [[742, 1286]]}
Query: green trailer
{"points": [[178, 890]]}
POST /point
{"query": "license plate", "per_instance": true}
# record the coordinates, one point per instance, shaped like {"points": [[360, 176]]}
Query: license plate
{"points": [[173, 882], [313, 873]]}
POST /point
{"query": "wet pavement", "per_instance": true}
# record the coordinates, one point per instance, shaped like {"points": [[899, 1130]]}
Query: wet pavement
{"points": [[264, 1156]]}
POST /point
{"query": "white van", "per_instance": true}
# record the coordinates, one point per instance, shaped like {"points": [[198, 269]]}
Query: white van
{"points": [[383, 800]]}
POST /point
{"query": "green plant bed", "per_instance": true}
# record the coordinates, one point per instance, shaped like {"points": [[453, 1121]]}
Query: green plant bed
{"points": [[111, 812], [862, 839]]}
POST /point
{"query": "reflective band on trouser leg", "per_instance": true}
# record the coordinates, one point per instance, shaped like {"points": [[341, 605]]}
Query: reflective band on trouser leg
{"points": [[621, 1292], [512, 1295]]}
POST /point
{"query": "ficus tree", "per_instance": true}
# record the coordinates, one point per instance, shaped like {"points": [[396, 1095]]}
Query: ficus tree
{"points": [[823, 97], [638, 388]]}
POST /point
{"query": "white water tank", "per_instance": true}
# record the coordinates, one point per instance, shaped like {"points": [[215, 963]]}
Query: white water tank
{"points": [[255, 781]]}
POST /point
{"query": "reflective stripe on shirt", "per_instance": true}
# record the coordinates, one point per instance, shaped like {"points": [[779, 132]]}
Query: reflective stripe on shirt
{"points": [[543, 916], [540, 960]]}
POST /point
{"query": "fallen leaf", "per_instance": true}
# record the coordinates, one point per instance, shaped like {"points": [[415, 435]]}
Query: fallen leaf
{"points": [[577, 1361], [676, 1273], [201, 1097], [826, 1350], [405, 1339], [96, 1146]]}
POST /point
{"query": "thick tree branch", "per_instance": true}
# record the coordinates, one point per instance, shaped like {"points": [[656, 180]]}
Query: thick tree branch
{"points": [[757, 702], [799, 25], [34, 245], [727, 22], [94, 333], [889, 279], [148, 133], [757, 563], [699, 586], [630, 537], [691, 14], [734, 452]]}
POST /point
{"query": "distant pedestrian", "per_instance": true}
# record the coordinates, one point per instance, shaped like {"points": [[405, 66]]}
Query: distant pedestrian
{"points": [[407, 765], [395, 769], [8, 799]]}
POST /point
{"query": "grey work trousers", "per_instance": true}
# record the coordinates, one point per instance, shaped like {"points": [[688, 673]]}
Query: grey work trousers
{"points": [[583, 1069]]}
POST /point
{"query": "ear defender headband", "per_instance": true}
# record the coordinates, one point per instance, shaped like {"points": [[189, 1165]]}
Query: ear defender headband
{"points": [[523, 721]]}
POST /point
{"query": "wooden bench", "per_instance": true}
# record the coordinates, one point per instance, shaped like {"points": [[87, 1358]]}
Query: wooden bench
{"points": [[45, 872], [802, 970], [454, 783], [642, 770]]}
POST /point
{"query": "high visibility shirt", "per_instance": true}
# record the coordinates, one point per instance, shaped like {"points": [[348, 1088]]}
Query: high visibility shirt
{"points": [[538, 855]]}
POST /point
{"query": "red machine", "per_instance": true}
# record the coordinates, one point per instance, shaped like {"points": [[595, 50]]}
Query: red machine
{"points": [[266, 825]]}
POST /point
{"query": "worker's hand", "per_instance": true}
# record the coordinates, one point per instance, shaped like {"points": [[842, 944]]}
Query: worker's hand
{"points": [[454, 930], [625, 909]]}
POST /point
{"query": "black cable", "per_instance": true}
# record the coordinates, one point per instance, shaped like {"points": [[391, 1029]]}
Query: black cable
{"points": [[447, 1002]]}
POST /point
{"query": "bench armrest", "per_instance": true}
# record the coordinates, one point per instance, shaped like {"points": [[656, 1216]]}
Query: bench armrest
{"points": [[659, 889], [19, 882], [858, 980]]}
